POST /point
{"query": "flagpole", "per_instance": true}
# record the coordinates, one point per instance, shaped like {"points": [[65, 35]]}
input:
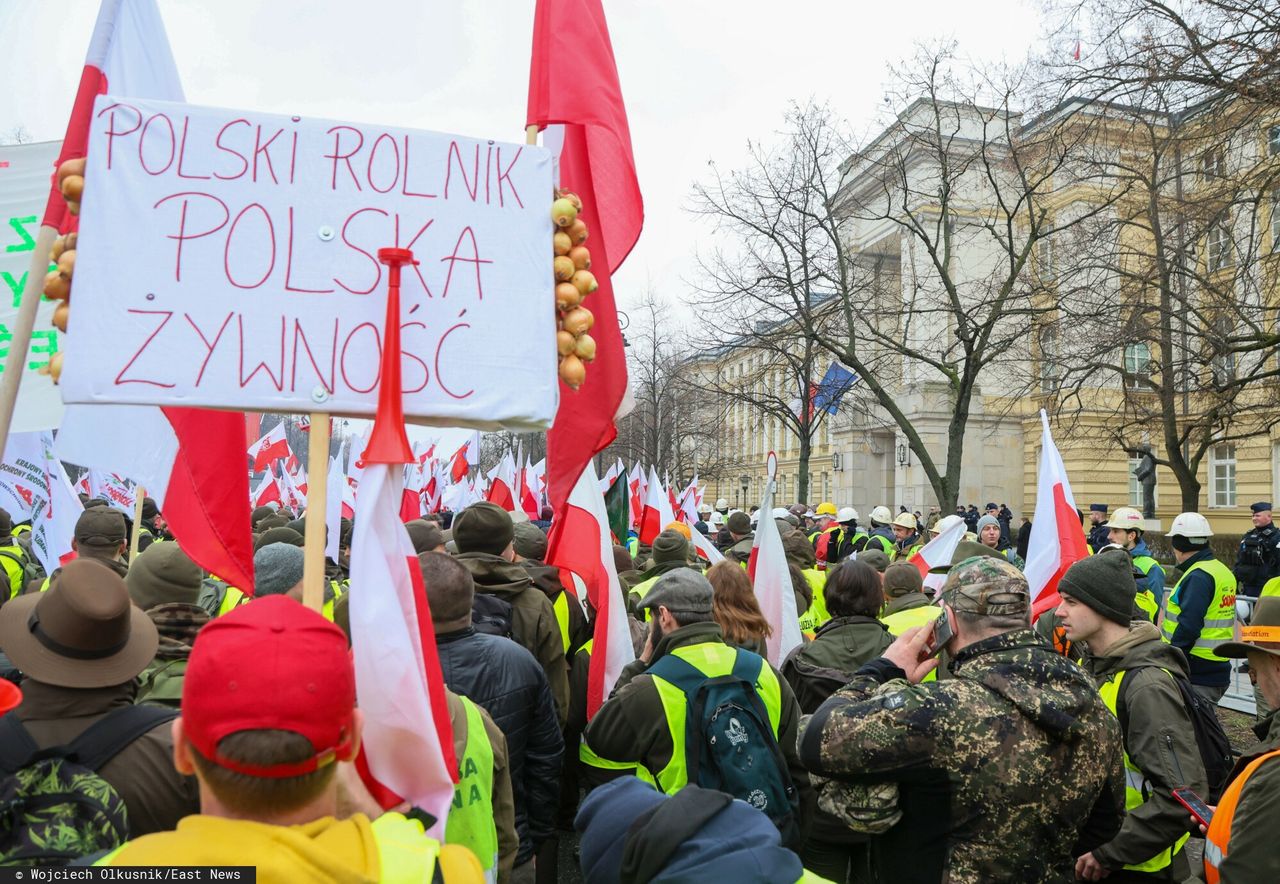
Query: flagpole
{"points": [[531, 134], [23, 324], [139, 496], [317, 502]]}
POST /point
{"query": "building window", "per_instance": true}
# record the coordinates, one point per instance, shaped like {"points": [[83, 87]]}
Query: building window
{"points": [[1137, 364], [1135, 487], [1219, 253], [1275, 219], [1273, 141], [1222, 466], [1224, 360], [1213, 164], [1045, 259], [1050, 369]]}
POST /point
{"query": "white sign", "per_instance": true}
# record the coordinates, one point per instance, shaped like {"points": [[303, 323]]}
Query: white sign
{"points": [[24, 189], [228, 259], [34, 487]]}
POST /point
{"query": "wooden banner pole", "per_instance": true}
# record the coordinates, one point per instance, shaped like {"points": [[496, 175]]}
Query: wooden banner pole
{"points": [[317, 502], [140, 495]]}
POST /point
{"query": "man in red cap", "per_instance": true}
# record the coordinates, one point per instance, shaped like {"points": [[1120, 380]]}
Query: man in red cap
{"points": [[268, 719]]}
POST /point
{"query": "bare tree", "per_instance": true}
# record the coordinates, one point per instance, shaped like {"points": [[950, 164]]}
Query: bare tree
{"points": [[904, 258], [17, 135]]}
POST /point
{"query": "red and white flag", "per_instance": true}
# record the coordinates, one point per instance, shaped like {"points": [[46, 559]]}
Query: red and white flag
{"points": [[637, 486], [502, 484], [466, 457], [705, 547], [117, 491], [590, 556], [1057, 539], [772, 579], [530, 491], [270, 448], [657, 512], [408, 742], [190, 460], [333, 504], [411, 497], [688, 503], [939, 550], [268, 490]]}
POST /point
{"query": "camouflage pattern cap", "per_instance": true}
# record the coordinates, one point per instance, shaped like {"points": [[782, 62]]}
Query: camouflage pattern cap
{"points": [[987, 586]]}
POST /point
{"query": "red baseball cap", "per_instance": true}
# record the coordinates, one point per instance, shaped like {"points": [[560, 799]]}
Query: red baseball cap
{"points": [[272, 664]]}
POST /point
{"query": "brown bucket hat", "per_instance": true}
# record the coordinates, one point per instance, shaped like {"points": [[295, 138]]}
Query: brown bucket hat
{"points": [[84, 632]]}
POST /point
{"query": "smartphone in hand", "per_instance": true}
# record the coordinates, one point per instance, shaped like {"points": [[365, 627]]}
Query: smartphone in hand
{"points": [[942, 633], [1195, 804]]}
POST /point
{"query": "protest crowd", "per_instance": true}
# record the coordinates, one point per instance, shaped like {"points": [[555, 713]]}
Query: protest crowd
{"points": [[925, 728]]}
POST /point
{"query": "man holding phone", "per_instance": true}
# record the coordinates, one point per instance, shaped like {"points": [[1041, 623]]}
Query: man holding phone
{"points": [[1005, 772], [1135, 672]]}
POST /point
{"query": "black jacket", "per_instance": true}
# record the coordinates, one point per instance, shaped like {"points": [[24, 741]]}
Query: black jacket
{"points": [[509, 683]]}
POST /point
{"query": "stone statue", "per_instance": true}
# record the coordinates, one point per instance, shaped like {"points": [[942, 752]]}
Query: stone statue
{"points": [[1145, 473]]}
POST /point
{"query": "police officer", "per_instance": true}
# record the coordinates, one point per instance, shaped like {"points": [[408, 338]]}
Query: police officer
{"points": [[1258, 559], [1124, 529], [1098, 536], [999, 771], [1201, 610]]}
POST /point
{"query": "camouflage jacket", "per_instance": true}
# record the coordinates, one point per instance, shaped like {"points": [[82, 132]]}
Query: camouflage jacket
{"points": [[1006, 772]]}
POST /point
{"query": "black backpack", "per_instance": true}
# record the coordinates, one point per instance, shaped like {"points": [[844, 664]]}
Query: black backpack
{"points": [[491, 615], [729, 743], [1211, 739], [54, 807]]}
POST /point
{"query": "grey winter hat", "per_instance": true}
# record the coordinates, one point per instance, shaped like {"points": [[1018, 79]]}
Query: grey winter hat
{"points": [[876, 558], [670, 546], [277, 568], [530, 541], [1104, 582], [683, 590], [987, 520]]}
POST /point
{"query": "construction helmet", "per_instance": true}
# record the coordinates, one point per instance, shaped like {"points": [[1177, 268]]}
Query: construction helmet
{"points": [[904, 520], [847, 514], [722, 504], [945, 522], [1192, 526], [827, 508], [1127, 518], [880, 515]]}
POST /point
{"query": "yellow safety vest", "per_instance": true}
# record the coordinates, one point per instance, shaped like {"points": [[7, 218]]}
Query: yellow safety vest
{"points": [[1219, 618], [641, 589], [1146, 599], [561, 607], [471, 821], [405, 854], [900, 621], [817, 614], [1271, 587], [1135, 783], [591, 759], [712, 659], [13, 568]]}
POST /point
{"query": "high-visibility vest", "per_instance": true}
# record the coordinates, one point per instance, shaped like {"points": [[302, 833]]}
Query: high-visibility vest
{"points": [[591, 759], [885, 544], [406, 855], [1135, 782], [1271, 587], [1219, 618], [471, 821], [13, 567], [561, 608], [1146, 599], [900, 621], [640, 590], [712, 659], [817, 614], [1218, 838]]}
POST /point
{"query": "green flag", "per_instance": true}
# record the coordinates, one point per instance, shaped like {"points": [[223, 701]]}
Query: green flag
{"points": [[617, 503]]}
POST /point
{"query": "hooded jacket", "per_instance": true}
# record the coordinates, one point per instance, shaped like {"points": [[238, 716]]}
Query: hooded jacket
{"points": [[1160, 740], [546, 578], [499, 675], [1006, 772], [533, 619], [817, 669]]}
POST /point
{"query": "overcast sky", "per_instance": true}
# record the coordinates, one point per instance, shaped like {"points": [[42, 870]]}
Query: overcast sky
{"points": [[700, 77]]}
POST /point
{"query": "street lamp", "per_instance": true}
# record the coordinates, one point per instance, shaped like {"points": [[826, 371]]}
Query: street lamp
{"points": [[744, 480]]}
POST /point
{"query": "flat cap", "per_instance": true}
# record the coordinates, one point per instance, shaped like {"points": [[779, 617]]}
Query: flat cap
{"points": [[681, 590], [101, 527]]}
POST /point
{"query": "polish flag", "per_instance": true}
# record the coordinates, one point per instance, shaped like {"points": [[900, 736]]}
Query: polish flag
{"points": [[590, 556], [190, 460], [465, 458], [333, 504], [705, 547], [270, 448], [688, 506], [349, 499], [411, 497], [635, 482], [268, 490], [408, 742], [939, 550], [1057, 541], [502, 483], [529, 492], [772, 579], [657, 510]]}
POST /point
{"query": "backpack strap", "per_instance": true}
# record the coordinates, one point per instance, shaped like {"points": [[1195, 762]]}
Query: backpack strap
{"points": [[105, 738], [16, 744]]}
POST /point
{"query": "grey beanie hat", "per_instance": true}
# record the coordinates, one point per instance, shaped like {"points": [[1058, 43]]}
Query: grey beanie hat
{"points": [[277, 568], [1105, 583], [670, 546], [987, 520], [530, 541]]}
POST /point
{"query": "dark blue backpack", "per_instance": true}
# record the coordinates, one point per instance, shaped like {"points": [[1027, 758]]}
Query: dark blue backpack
{"points": [[729, 743]]}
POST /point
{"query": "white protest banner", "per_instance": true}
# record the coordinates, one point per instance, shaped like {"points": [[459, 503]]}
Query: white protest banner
{"points": [[24, 189], [228, 259], [34, 486], [116, 490]]}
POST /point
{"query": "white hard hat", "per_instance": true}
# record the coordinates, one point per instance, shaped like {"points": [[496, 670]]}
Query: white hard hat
{"points": [[722, 504], [1127, 518], [881, 514], [905, 520], [704, 507], [945, 522], [1192, 526], [781, 512], [717, 519], [847, 514]]}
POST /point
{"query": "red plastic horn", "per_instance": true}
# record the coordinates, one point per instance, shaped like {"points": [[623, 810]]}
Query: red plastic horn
{"points": [[388, 442]]}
